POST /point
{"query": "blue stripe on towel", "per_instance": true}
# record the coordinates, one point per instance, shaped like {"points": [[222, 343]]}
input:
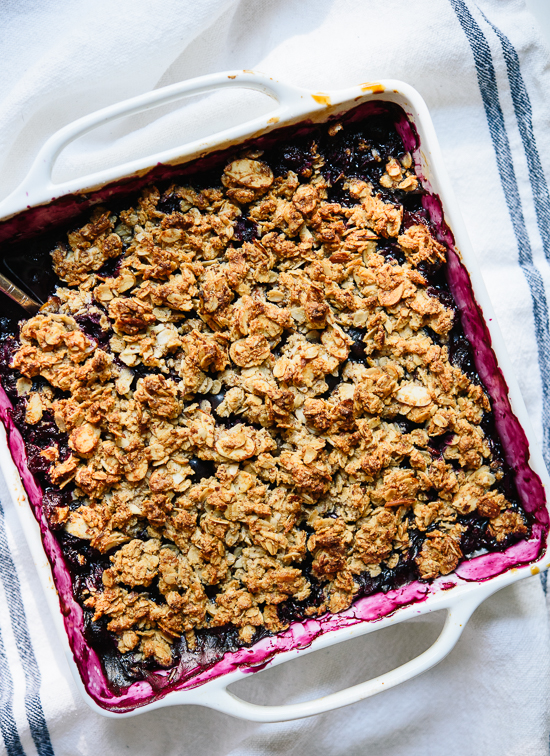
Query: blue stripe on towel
{"points": [[33, 705], [497, 128], [524, 117], [537, 179], [8, 728]]}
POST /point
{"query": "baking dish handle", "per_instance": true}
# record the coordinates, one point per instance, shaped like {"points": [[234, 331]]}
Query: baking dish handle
{"points": [[457, 616], [38, 187]]}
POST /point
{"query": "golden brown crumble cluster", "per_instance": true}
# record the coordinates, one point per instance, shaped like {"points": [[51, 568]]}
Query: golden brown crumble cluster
{"points": [[219, 350]]}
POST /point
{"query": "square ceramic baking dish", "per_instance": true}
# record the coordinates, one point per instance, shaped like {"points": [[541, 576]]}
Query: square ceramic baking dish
{"points": [[39, 204]]}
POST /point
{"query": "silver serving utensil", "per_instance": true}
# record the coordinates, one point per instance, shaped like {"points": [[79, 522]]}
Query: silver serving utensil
{"points": [[14, 292]]}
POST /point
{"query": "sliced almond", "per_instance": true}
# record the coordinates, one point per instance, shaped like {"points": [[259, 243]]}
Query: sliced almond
{"points": [[64, 472], [413, 395], [51, 453], [389, 298], [78, 527], [136, 466], [406, 160], [103, 293], [124, 381], [34, 410], [125, 281], [84, 439], [250, 352], [23, 386], [250, 173], [236, 444], [58, 516], [393, 168], [408, 184], [108, 540]]}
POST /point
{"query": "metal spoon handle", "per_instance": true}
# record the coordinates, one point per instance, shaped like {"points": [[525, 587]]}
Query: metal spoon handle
{"points": [[14, 292]]}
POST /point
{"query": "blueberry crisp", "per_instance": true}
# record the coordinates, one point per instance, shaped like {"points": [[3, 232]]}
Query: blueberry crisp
{"points": [[250, 399]]}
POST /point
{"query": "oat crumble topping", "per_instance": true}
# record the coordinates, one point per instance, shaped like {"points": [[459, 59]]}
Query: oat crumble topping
{"points": [[259, 404]]}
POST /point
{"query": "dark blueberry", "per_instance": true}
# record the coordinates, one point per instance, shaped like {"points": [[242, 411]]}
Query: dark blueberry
{"points": [[122, 674], [90, 324], [416, 539], [202, 468], [132, 666], [371, 170], [278, 351], [367, 584], [214, 399], [357, 350], [6, 327], [412, 208], [18, 413], [96, 632], [64, 450], [143, 534], [475, 537], [432, 495], [337, 193], [9, 383], [8, 346], [231, 420], [414, 216], [94, 578], [387, 579], [297, 157], [332, 381], [491, 436], [169, 203], [432, 335], [292, 611], [111, 267], [36, 463], [141, 370], [211, 645], [54, 500], [8, 343], [444, 296], [245, 230], [78, 552], [429, 270], [339, 155], [438, 444], [203, 179], [212, 591], [154, 593], [461, 356], [44, 433], [390, 251], [405, 425]]}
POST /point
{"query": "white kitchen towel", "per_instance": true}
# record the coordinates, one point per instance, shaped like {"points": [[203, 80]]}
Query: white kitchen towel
{"points": [[484, 72]]}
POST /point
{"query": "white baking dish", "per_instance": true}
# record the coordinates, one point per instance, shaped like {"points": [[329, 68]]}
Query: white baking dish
{"points": [[33, 206]]}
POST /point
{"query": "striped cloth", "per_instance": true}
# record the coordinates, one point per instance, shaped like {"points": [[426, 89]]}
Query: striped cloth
{"points": [[484, 73]]}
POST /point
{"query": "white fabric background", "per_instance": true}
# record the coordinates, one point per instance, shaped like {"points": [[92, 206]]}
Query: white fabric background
{"points": [[61, 60]]}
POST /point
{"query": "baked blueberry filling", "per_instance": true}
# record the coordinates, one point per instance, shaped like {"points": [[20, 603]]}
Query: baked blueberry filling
{"points": [[251, 401]]}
